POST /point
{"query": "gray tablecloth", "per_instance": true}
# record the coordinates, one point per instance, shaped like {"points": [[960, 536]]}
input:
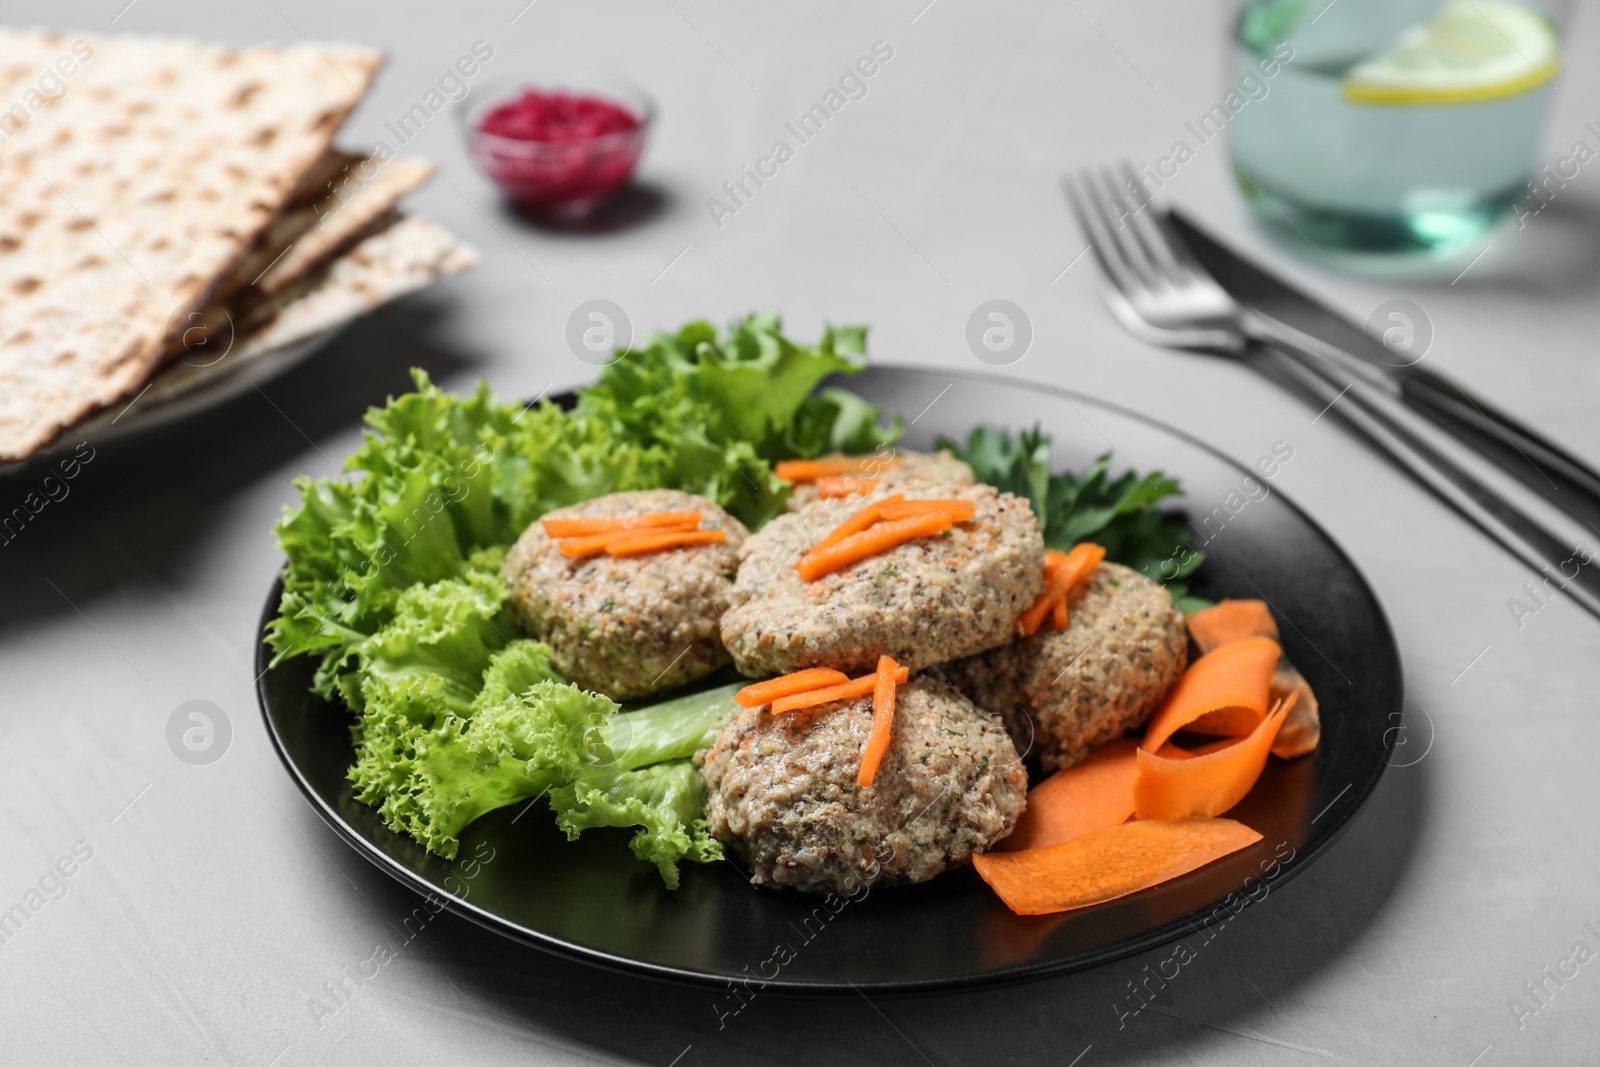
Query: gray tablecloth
{"points": [[202, 914]]}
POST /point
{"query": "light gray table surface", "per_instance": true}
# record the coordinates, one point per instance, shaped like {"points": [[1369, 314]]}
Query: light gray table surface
{"points": [[215, 905]]}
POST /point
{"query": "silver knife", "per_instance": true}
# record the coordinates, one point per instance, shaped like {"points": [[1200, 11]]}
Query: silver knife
{"points": [[1301, 320]]}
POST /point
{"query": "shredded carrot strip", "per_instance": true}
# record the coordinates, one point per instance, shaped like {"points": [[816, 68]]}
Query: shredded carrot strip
{"points": [[958, 510], [1232, 685], [759, 693], [881, 537], [861, 520], [1053, 562], [882, 721], [858, 687], [1112, 863], [811, 470], [1060, 579], [635, 544], [1084, 557], [592, 545], [1212, 780], [841, 485], [584, 527], [1028, 624]]}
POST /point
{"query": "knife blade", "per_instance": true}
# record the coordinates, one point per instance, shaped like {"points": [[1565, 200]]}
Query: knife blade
{"points": [[1528, 456]]}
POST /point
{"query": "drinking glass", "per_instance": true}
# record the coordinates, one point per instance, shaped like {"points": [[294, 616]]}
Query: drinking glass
{"points": [[1392, 125]]}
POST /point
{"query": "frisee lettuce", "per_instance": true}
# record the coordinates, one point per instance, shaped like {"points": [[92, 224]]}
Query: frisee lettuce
{"points": [[458, 717], [665, 800], [642, 776]]}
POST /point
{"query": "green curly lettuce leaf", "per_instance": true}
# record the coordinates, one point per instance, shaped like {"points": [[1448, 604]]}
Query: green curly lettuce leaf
{"points": [[430, 781], [671, 729], [643, 777], [748, 386], [726, 409], [666, 802], [513, 670], [457, 716], [836, 420], [442, 634], [457, 719]]}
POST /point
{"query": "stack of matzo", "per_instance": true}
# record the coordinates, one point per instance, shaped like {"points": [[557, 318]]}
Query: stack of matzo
{"points": [[160, 178]]}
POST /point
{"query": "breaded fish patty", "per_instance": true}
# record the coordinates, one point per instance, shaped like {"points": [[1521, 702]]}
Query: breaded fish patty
{"points": [[924, 602], [628, 626], [1061, 693], [904, 466], [782, 790]]}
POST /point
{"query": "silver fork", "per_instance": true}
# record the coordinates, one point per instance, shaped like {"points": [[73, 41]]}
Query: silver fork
{"points": [[1161, 293]]}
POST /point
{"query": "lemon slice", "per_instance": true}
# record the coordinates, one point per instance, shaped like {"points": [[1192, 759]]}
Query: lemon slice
{"points": [[1471, 50]]}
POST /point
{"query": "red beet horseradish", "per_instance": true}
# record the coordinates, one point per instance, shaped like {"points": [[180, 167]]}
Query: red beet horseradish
{"points": [[559, 150]]}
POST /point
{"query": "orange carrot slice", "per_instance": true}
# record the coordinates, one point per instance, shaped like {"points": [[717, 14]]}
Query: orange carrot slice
{"points": [[841, 485], [1302, 730], [616, 524], [1232, 620], [1103, 866], [1209, 782], [1227, 722], [1236, 678], [1058, 615], [861, 520], [635, 544], [1229, 621], [882, 721], [811, 470], [1173, 752], [958, 510], [881, 537], [1094, 795], [1221, 624], [1073, 568], [759, 693], [851, 690]]}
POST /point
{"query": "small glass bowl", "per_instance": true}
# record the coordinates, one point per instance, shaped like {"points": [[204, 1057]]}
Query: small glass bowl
{"points": [[564, 179]]}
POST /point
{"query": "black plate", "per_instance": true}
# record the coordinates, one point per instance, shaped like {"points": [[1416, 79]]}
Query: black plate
{"points": [[592, 901]]}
